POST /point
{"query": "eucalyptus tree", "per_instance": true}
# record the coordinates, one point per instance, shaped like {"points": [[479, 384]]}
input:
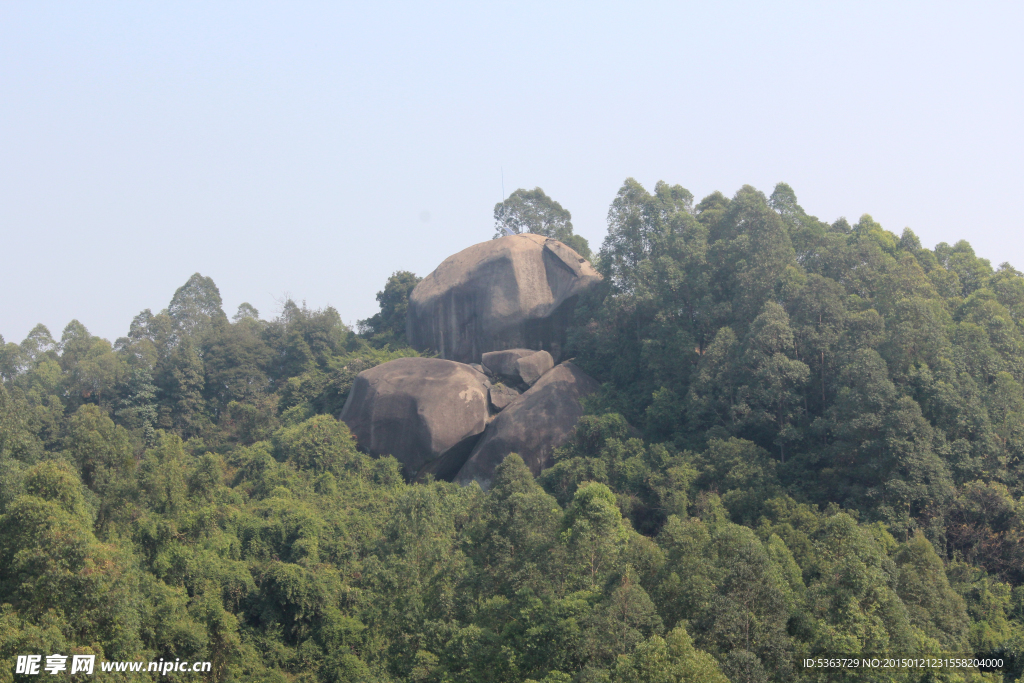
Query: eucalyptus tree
{"points": [[533, 211]]}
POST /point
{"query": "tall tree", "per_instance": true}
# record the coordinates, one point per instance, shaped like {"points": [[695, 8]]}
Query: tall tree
{"points": [[184, 383], [18, 439], [137, 409], [819, 319], [236, 357], [673, 659], [195, 305], [388, 325], [750, 249], [594, 534], [38, 344], [515, 541], [931, 604], [533, 211], [771, 401]]}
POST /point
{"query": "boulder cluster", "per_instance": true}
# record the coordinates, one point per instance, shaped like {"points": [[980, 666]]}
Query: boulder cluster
{"points": [[496, 314]]}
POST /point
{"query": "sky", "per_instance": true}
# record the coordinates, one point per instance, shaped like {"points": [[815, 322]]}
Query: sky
{"points": [[308, 150]]}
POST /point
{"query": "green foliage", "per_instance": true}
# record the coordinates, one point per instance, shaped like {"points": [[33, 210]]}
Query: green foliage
{"points": [[195, 306], [533, 211], [673, 659], [18, 440], [54, 571], [515, 535], [932, 605], [388, 326], [320, 444], [808, 442]]}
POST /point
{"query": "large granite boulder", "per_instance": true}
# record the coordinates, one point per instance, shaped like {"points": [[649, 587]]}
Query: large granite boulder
{"points": [[534, 425], [426, 412], [517, 291]]}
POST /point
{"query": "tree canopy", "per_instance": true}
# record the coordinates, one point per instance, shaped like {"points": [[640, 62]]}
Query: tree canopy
{"points": [[535, 212], [808, 443]]}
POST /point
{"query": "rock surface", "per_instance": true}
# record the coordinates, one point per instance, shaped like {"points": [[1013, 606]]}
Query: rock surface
{"points": [[518, 366], [517, 291], [541, 420], [531, 368], [426, 412], [502, 396], [503, 363]]}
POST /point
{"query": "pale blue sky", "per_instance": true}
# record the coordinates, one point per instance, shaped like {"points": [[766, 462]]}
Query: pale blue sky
{"points": [[295, 149]]}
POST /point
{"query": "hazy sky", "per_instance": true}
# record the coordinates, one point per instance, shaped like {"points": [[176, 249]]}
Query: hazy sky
{"points": [[310, 150]]}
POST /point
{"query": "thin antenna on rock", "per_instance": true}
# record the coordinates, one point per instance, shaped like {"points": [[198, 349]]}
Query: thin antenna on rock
{"points": [[502, 225]]}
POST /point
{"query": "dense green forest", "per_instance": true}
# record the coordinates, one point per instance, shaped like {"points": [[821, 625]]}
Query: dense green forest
{"points": [[808, 443]]}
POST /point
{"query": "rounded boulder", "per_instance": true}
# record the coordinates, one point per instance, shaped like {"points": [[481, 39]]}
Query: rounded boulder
{"points": [[518, 291], [534, 425], [426, 412]]}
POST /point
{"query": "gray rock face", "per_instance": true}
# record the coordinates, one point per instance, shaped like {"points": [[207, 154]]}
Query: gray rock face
{"points": [[426, 412], [514, 292], [531, 368], [502, 396], [540, 421], [518, 366], [503, 363]]}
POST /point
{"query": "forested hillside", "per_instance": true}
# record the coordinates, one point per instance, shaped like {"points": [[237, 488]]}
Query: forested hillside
{"points": [[808, 443]]}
